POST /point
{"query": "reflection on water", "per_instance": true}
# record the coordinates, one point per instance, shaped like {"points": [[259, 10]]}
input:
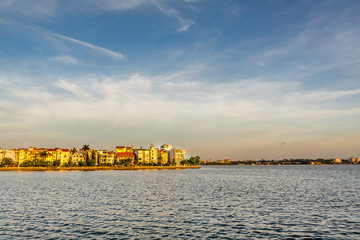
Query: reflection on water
{"points": [[211, 202]]}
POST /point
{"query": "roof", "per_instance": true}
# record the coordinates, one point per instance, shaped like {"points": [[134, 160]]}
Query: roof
{"points": [[64, 150], [120, 146], [125, 154]]}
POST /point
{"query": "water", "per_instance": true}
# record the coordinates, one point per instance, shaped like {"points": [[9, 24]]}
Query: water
{"points": [[220, 202]]}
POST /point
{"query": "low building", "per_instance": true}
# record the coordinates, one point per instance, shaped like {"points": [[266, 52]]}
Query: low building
{"points": [[177, 155], [337, 160], [125, 156], [63, 155], [77, 157], [153, 154], [143, 155], [106, 157], [163, 156]]}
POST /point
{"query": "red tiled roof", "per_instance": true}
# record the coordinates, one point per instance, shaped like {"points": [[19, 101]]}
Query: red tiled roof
{"points": [[125, 154], [120, 146]]}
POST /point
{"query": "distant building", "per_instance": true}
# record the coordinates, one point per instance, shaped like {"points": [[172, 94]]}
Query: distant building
{"points": [[78, 156], [338, 160], [63, 155], [143, 155], [163, 156], [177, 155], [123, 156], [106, 157], [167, 147], [153, 154]]}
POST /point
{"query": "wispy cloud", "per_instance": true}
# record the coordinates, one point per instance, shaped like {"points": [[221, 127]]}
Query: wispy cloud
{"points": [[233, 111], [64, 59], [101, 50], [185, 24], [30, 8]]}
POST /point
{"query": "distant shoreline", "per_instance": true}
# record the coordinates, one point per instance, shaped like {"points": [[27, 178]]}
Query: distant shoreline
{"points": [[101, 168]]}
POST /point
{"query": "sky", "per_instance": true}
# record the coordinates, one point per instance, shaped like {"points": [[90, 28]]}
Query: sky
{"points": [[234, 79]]}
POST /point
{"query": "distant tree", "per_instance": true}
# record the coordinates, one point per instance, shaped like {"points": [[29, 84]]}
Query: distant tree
{"points": [[194, 160], [73, 150], [90, 162], [7, 162], [56, 163], [136, 161], [27, 163], [43, 154], [85, 147]]}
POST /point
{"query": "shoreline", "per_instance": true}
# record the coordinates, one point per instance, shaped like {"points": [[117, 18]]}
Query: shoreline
{"points": [[100, 168]]}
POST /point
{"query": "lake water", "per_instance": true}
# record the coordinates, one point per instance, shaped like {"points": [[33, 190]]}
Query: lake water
{"points": [[220, 202]]}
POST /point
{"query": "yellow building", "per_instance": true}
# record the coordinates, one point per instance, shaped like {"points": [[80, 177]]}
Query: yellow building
{"points": [[63, 155], [167, 147], [143, 155], [23, 155], [177, 155], [2, 154], [153, 154], [51, 154], [338, 160], [123, 149], [163, 156], [106, 157], [78, 156]]}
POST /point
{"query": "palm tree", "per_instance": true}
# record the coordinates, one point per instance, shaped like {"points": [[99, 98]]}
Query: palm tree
{"points": [[73, 150], [43, 154], [86, 148]]}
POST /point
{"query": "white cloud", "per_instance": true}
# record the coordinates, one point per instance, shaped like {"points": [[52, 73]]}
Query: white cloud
{"points": [[64, 59], [101, 50], [185, 24], [138, 106], [30, 8]]}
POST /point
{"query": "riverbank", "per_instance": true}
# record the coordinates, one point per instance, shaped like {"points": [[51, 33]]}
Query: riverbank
{"points": [[99, 168]]}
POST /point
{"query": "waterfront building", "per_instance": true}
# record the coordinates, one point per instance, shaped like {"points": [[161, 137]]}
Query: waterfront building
{"points": [[338, 160], [63, 155], [153, 154], [23, 155], [123, 149], [106, 157], [13, 154], [163, 156], [78, 156], [51, 154], [143, 155], [177, 155], [167, 147], [124, 156], [2, 154]]}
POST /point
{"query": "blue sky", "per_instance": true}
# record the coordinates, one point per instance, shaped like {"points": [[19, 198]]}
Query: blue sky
{"points": [[222, 79]]}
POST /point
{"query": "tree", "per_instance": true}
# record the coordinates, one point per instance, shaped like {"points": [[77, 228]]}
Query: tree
{"points": [[86, 148], [27, 163], [7, 162], [90, 162], [194, 160], [73, 150], [43, 154], [56, 163]]}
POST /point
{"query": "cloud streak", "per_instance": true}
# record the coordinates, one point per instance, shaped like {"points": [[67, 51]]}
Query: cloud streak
{"points": [[64, 59], [101, 50], [185, 24]]}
